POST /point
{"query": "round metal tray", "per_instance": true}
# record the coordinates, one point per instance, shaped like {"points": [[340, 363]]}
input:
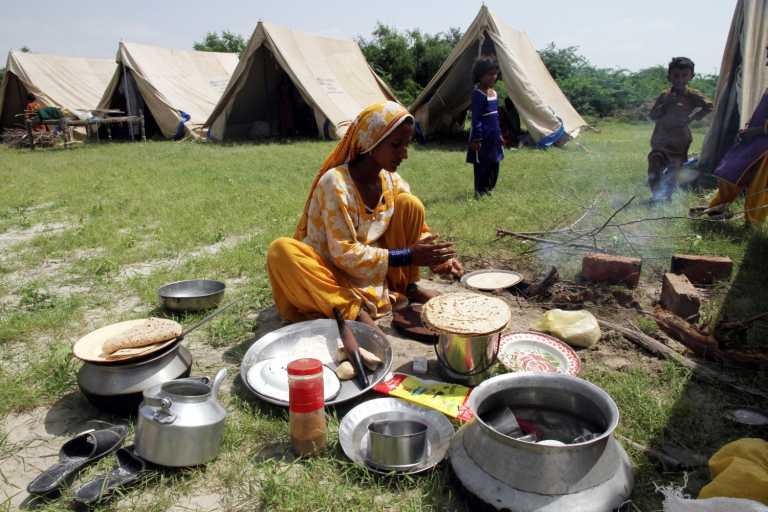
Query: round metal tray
{"points": [[279, 343], [353, 432]]}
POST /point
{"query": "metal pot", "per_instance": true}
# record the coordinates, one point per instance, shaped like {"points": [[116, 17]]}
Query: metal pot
{"points": [[118, 387], [181, 422], [592, 475], [467, 359], [191, 295]]}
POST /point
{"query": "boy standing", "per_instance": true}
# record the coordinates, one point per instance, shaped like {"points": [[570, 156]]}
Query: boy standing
{"points": [[673, 111]]}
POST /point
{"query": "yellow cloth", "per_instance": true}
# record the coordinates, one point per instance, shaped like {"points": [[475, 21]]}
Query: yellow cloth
{"points": [[756, 183], [739, 470], [370, 127], [306, 286]]}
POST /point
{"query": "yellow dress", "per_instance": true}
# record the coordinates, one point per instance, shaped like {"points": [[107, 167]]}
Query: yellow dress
{"points": [[756, 183], [343, 260]]}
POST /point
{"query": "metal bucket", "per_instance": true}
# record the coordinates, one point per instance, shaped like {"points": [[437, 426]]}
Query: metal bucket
{"points": [[467, 359]]}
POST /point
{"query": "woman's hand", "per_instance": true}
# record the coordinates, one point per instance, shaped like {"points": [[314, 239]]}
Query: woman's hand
{"points": [[748, 134], [452, 267], [427, 253], [475, 145]]}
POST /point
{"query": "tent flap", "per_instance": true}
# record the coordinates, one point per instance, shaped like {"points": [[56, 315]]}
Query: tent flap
{"points": [[173, 81], [331, 76], [542, 105], [70, 83], [742, 81]]}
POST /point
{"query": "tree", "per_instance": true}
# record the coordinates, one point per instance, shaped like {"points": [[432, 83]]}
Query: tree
{"points": [[227, 42], [408, 60], [24, 49]]}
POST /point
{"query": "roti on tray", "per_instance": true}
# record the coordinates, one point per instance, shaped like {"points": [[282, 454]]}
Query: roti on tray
{"points": [[466, 314]]}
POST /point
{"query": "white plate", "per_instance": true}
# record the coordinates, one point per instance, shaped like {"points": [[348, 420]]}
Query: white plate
{"points": [[270, 378], [489, 280]]}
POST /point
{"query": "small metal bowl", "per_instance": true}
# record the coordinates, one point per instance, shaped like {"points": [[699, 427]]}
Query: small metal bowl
{"points": [[192, 295], [396, 445]]}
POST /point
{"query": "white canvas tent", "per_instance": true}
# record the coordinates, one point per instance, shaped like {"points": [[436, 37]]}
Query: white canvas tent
{"points": [[163, 84], [71, 83], [329, 79], [442, 105], [743, 79]]}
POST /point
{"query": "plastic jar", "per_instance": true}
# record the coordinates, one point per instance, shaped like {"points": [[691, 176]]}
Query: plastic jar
{"points": [[306, 406]]}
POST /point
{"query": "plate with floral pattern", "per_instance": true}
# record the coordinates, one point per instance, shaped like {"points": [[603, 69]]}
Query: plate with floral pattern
{"points": [[536, 352]]}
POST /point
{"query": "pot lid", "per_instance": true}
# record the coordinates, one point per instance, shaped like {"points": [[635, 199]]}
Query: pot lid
{"points": [[91, 346], [466, 314], [270, 378]]}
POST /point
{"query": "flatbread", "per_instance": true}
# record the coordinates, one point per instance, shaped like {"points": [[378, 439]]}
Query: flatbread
{"points": [[149, 332], [493, 280], [467, 314]]}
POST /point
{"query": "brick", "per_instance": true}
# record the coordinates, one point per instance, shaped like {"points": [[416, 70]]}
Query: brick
{"points": [[702, 269], [680, 297], [611, 269]]}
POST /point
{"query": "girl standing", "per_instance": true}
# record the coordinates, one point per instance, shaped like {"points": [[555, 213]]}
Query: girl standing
{"points": [[485, 143]]}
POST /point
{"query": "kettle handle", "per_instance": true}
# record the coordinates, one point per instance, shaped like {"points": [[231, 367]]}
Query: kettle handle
{"points": [[217, 380]]}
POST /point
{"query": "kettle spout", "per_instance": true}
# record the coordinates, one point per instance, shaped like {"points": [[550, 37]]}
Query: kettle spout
{"points": [[217, 380]]}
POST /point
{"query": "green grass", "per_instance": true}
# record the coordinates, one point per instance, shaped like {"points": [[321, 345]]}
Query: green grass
{"points": [[126, 204]]}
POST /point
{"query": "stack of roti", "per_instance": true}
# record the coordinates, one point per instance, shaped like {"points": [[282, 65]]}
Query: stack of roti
{"points": [[125, 340], [466, 314], [149, 332]]}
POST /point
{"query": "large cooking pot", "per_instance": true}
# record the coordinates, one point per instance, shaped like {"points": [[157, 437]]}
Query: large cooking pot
{"points": [[118, 387], [590, 475], [181, 422]]}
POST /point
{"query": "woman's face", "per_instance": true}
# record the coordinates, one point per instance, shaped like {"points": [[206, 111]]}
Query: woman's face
{"points": [[390, 152]]}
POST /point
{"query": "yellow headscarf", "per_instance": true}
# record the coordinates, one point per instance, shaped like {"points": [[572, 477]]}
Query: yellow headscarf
{"points": [[371, 126]]}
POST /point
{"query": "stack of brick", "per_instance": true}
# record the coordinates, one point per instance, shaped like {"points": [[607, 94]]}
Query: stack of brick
{"points": [[605, 268]]}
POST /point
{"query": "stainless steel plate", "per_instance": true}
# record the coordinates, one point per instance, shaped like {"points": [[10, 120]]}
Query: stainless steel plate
{"points": [[353, 431], [281, 342], [506, 279]]}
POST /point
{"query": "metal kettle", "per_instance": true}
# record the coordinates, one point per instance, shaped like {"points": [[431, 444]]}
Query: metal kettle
{"points": [[181, 422]]}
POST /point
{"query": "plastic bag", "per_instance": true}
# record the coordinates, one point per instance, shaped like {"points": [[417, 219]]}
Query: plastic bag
{"points": [[577, 328]]}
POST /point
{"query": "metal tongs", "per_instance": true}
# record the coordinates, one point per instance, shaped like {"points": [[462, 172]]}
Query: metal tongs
{"points": [[352, 348]]}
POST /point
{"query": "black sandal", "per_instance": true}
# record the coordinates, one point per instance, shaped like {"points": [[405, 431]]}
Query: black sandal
{"points": [[129, 470], [408, 323], [74, 455]]}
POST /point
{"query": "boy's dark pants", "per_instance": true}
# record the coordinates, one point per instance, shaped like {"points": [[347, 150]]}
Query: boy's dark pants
{"points": [[663, 185], [486, 175]]}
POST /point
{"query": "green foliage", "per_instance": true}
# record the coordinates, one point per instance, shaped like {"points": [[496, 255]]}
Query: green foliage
{"points": [[407, 60], [227, 42], [607, 92], [25, 49]]}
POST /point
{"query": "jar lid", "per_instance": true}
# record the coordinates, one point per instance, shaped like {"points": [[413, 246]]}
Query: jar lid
{"points": [[305, 366], [466, 314]]}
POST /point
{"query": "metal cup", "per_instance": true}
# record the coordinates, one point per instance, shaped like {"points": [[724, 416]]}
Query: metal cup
{"points": [[397, 444]]}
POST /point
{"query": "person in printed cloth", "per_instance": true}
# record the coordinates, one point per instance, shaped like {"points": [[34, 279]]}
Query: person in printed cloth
{"points": [[744, 169], [673, 112], [30, 111], [362, 238], [485, 141]]}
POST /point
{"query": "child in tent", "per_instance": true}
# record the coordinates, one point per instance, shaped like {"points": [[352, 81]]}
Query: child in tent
{"points": [[485, 142], [673, 111]]}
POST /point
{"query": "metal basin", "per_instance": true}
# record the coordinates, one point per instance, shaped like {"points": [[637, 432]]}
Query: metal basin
{"points": [[544, 469], [191, 295]]}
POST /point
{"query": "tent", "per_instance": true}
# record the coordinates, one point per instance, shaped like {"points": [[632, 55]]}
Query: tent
{"points": [[743, 79], [174, 89], [289, 82], [71, 83], [441, 107]]}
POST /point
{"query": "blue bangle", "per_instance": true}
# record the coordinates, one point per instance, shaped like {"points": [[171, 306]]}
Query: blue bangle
{"points": [[400, 257]]}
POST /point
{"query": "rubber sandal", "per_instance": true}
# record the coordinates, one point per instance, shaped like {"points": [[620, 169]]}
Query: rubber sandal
{"points": [[129, 470], [74, 455], [407, 322]]}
